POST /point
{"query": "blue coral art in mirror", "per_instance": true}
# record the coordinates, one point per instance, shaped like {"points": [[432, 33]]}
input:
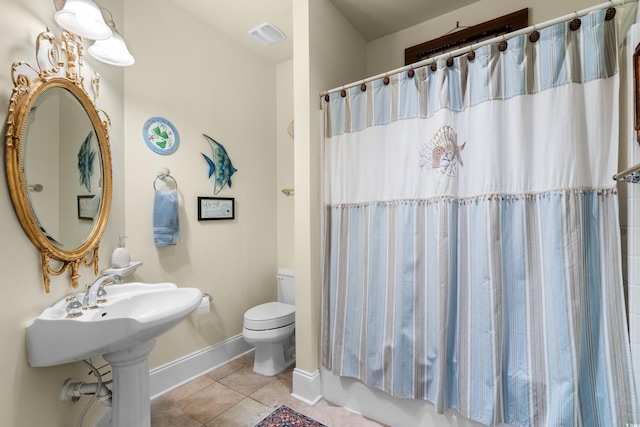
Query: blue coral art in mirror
{"points": [[220, 167], [85, 162]]}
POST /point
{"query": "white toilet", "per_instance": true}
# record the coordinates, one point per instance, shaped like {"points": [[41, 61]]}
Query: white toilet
{"points": [[270, 328]]}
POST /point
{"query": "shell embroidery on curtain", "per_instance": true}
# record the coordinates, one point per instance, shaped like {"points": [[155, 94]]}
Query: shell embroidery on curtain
{"points": [[442, 152]]}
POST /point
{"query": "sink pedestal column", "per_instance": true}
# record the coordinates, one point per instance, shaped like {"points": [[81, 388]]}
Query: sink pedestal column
{"points": [[131, 404]]}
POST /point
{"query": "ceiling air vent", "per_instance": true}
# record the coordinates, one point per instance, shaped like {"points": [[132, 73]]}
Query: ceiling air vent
{"points": [[267, 33]]}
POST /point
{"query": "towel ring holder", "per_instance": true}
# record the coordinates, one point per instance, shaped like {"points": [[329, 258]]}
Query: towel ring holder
{"points": [[163, 175]]}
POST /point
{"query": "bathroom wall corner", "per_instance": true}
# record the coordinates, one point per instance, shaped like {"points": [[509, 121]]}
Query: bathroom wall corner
{"points": [[307, 387]]}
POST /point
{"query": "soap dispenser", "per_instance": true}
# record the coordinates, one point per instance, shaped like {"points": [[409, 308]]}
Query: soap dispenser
{"points": [[120, 257]]}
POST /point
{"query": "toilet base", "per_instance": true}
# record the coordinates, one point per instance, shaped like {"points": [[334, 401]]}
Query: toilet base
{"points": [[272, 358], [269, 364]]}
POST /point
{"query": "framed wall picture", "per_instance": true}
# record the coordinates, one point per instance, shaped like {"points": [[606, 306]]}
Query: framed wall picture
{"points": [[86, 210], [211, 208], [160, 135]]}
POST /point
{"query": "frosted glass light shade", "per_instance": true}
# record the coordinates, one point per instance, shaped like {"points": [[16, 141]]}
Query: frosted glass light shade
{"points": [[112, 51], [83, 18]]}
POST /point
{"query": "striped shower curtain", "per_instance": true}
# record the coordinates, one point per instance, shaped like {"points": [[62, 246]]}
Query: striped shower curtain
{"points": [[471, 241]]}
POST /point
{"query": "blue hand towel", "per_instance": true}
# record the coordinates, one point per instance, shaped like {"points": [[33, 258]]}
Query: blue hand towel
{"points": [[166, 227]]}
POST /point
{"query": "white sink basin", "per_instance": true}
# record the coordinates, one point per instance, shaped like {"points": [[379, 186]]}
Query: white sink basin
{"points": [[133, 314]]}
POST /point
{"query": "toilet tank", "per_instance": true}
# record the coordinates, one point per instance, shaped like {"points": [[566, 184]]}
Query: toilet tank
{"points": [[286, 286]]}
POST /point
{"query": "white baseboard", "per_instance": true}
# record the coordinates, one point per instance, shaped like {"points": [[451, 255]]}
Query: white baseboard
{"points": [[180, 371], [307, 387]]}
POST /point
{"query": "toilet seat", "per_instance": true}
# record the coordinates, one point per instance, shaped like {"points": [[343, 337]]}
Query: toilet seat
{"points": [[271, 315]]}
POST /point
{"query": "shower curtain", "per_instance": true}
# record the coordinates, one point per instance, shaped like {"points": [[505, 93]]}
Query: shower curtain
{"points": [[471, 240]]}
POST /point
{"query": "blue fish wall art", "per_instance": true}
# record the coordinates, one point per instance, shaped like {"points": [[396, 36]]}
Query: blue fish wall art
{"points": [[220, 166], [85, 162]]}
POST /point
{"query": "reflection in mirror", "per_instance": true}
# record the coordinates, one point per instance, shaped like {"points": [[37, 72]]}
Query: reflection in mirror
{"points": [[59, 142], [58, 158]]}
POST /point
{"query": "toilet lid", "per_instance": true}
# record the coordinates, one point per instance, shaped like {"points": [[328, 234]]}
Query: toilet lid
{"points": [[270, 315]]}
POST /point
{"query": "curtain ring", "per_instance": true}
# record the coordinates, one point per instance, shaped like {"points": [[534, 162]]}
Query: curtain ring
{"points": [[575, 23], [411, 73], [386, 80], [502, 46], [610, 14], [363, 86], [343, 93], [449, 61], [434, 66], [534, 35], [471, 55]]}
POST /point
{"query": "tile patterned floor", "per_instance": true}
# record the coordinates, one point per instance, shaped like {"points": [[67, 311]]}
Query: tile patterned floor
{"points": [[232, 395]]}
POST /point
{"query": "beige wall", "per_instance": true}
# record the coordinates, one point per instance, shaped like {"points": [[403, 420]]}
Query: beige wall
{"points": [[327, 51], [284, 165], [203, 83], [29, 396]]}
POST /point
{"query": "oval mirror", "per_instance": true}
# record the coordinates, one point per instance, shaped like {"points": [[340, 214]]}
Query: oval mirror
{"points": [[58, 163]]}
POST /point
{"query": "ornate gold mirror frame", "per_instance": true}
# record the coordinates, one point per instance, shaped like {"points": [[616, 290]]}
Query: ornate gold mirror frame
{"points": [[58, 65], [636, 92]]}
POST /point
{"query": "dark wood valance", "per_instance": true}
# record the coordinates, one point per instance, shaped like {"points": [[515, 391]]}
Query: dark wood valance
{"points": [[495, 27]]}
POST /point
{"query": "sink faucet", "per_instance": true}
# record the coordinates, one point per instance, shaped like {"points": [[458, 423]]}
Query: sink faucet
{"points": [[97, 288]]}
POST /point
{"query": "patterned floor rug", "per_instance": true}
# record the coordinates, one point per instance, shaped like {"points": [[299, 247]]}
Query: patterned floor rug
{"points": [[284, 416]]}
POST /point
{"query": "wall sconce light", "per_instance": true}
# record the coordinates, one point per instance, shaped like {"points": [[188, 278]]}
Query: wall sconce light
{"points": [[81, 17], [112, 51], [85, 18]]}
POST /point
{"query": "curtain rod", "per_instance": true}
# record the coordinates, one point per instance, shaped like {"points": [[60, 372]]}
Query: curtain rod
{"points": [[631, 175], [471, 47]]}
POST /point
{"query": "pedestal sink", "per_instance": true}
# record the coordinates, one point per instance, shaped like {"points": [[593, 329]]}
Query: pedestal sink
{"points": [[122, 330]]}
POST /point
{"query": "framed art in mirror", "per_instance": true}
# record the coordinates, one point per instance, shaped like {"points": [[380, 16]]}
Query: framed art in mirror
{"points": [[86, 207]]}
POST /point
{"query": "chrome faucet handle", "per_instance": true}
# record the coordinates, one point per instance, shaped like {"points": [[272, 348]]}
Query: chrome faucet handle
{"points": [[116, 280], [102, 294], [74, 307], [96, 292], [86, 301]]}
